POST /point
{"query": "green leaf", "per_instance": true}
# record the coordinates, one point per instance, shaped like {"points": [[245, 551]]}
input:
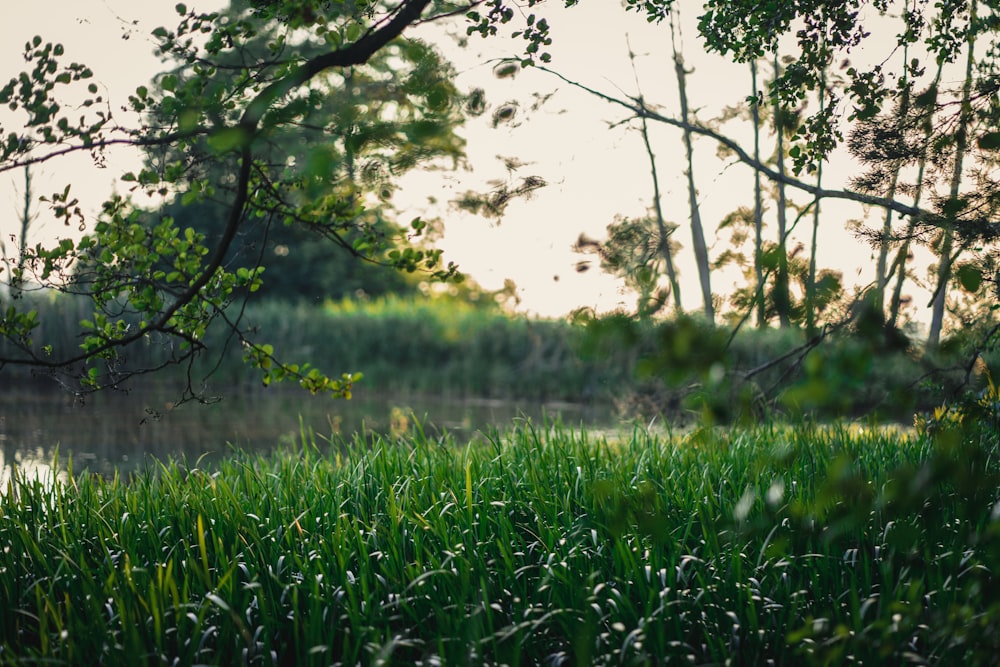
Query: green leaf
{"points": [[989, 141], [228, 139], [954, 206], [970, 277], [188, 119]]}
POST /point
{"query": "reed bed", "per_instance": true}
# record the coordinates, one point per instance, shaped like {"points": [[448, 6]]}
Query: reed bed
{"points": [[543, 545], [454, 348]]}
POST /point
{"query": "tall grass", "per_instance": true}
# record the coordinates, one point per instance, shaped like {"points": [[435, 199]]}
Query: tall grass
{"points": [[444, 346], [543, 545], [439, 346], [453, 348]]}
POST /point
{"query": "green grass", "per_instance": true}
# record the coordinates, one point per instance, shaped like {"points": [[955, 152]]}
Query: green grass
{"points": [[449, 347], [543, 545]]}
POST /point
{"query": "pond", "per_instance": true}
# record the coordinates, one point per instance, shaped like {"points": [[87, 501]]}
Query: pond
{"points": [[118, 431]]}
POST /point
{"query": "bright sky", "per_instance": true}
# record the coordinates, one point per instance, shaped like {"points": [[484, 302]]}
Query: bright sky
{"points": [[594, 172]]}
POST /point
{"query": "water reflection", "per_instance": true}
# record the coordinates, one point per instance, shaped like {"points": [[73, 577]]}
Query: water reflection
{"points": [[126, 431]]}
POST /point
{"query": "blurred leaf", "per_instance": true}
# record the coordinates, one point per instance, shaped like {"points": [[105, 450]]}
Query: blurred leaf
{"points": [[970, 277], [989, 141], [228, 139]]}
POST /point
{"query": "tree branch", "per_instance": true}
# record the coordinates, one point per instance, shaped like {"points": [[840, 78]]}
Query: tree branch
{"points": [[106, 143], [357, 53], [639, 108]]}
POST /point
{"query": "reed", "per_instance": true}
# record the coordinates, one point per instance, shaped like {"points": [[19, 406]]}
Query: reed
{"points": [[540, 545], [454, 348]]}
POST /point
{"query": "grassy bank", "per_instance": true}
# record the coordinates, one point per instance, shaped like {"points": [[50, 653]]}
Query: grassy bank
{"points": [[540, 546]]}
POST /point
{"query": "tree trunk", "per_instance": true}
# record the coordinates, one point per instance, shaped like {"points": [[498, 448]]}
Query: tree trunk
{"points": [[902, 255], [782, 300], [944, 268], [758, 210], [661, 223], [810, 296], [697, 231]]}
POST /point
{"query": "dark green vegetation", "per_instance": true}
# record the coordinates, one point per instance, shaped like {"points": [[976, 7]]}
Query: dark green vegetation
{"points": [[541, 546], [453, 347]]}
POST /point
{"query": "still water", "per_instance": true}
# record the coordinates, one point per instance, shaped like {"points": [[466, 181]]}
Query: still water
{"points": [[125, 432]]}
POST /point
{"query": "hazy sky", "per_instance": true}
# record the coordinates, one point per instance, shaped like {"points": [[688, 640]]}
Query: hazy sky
{"points": [[594, 171]]}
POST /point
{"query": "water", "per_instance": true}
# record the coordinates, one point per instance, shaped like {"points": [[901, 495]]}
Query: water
{"points": [[125, 432]]}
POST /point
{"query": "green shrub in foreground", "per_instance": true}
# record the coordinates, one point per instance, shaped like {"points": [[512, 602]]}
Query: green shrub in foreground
{"points": [[543, 546]]}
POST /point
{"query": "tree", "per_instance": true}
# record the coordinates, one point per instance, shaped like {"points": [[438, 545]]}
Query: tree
{"points": [[27, 216], [697, 229], [639, 251], [664, 230], [377, 121], [758, 202], [214, 129]]}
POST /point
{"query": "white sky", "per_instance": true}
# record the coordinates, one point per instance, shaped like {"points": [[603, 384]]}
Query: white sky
{"points": [[594, 172]]}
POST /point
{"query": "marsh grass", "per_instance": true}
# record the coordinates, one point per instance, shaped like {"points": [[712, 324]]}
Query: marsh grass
{"points": [[542, 545], [457, 349]]}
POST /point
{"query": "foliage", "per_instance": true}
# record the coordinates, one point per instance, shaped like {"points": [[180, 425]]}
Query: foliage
{"points": [[445, 346], [367, 126], [217, 128], [299, 262], [542, 545], [634, 251], [859, 366]]}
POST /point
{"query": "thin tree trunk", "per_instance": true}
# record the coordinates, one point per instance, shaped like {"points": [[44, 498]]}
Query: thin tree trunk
{"points": [[758, 209], [782, 300], [946, 261], [902, 255], [697, 230], [810, 296], [661, 223], [15, 276], [882, 272]]}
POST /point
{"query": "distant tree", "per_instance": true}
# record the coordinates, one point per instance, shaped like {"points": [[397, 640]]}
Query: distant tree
{"points": [[16, 266], [697, 228], [634, 251]]}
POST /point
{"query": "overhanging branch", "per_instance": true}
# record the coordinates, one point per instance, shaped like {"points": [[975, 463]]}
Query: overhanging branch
{"points": [[358, 53]]}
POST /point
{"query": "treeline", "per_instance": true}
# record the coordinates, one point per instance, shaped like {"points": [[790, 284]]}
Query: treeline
{"points": [[453, 347]]}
